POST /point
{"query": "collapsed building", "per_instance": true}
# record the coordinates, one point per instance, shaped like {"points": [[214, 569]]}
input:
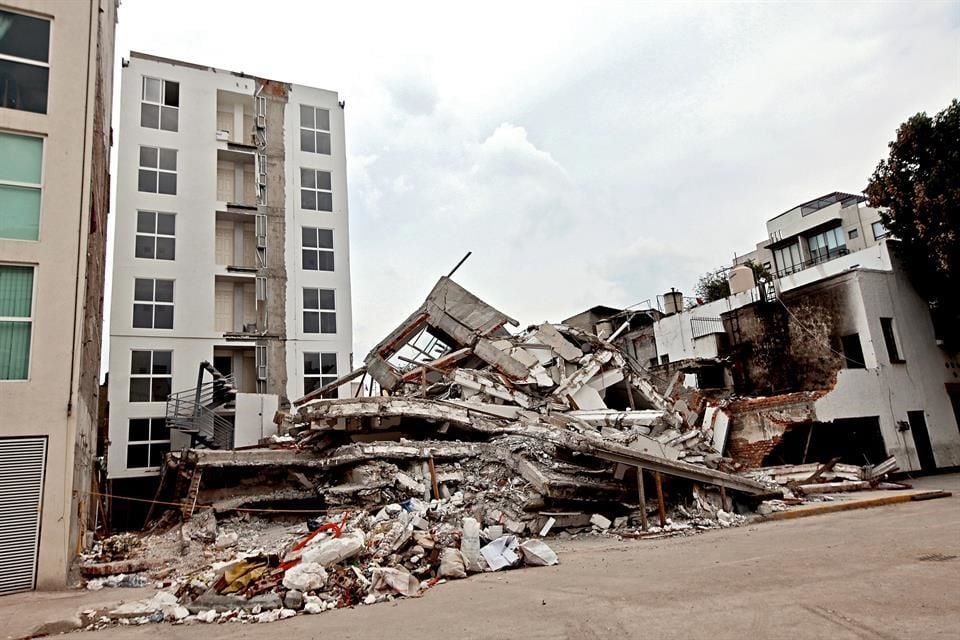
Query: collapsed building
{"points": [[472, 446], [821, 350]]}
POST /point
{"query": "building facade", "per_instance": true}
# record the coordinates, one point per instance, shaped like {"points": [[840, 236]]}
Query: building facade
{"points": [[56, 79], [231, 247], [826, 350]]}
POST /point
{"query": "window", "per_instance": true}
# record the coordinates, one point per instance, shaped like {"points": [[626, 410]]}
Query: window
{"points": [[317, 249], [319, 311], [151, 374], [314, 129], [319, 369], [879, 230], [853, 234], [890, 338], [852, 351], [148, 440], [788, 259], [315, 191], [156, 235], [158, 171], [21, 162], [827, 245], [161, 104], [153, 304], [24, 62], [16, 321]]}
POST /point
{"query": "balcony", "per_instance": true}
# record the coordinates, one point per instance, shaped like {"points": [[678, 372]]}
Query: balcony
{"points": [[235, 307], [818, 258], [235, 119], [237, 184], [236, 252]]}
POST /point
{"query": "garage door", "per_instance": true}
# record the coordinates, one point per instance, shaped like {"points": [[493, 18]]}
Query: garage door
{"points": [[22, 462]]}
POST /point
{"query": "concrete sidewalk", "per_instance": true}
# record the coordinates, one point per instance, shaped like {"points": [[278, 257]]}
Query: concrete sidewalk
{"points": [[22, 613]]}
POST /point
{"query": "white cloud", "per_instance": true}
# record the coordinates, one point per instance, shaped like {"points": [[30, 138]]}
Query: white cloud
{"points": [[587, 154]]}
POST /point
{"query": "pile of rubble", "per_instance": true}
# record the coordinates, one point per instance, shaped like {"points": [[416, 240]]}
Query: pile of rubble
{"points": [[472, 445]]}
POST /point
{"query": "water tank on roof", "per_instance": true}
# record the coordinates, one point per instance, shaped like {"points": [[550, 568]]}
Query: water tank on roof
{"points": [[740, 279], [672, 302]]}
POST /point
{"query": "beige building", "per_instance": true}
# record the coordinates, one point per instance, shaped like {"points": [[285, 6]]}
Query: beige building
{"points": [[56, 82]]}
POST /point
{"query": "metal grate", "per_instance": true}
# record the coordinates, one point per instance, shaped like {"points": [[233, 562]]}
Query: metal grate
{"points": [[22, 463]]}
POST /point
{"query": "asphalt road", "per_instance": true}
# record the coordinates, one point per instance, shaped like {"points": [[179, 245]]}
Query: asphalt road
{"points": [[888, 572]]}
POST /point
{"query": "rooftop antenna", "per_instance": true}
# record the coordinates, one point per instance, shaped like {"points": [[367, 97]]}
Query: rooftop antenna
{"points": [[462, 260]]}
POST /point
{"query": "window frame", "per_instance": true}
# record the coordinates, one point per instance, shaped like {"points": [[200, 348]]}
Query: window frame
{"points": [[154, 303], [160, 105], [155, 235], [149, 442], [29, 185], [315, 189], [157, 170], [873, 229], [891, 340], [316, 131], [796, 261], [317, 250], [30, 61], [149, 376], [323, 378], [318, 311], [25, 319]]}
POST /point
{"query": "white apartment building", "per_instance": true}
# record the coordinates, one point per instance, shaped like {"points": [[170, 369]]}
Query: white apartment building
{"points": [[56, 79], [231, 247]]}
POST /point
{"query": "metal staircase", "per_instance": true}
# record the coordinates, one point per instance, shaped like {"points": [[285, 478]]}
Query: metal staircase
{"points": [[195, 411]]}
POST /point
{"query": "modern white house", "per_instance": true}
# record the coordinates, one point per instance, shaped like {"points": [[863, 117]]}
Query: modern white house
{"points": [[832, 351], [231, 248], [56, 79]]}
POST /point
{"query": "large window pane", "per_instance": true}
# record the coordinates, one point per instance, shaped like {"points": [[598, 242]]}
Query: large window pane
{"points": [[143, 316], [164, 316], [324, 201], [24, 36], [26, 86], [307, 141], [325, 262], [19, 213], [139, 389], [326, 297], [147, 181], [144, 247], [139, 430], [162, 362], [140, 362], [149, 115], [168, 184], [14, 350], [16, 291], [21, 157], [328, 323], [323, 142], [137, 455]]}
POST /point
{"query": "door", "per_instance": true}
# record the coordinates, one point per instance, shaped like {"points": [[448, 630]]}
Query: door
{"points": [[22, 465], [921, 440]]}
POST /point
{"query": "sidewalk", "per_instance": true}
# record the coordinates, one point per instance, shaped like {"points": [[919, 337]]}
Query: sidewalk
{"points": [[23, 613]]}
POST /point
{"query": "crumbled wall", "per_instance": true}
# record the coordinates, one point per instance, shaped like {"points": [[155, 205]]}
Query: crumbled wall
{"points": [[757, 424]]}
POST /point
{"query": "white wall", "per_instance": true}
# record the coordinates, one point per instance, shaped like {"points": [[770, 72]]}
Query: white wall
{"points": [[299, 342], [889, 390]]}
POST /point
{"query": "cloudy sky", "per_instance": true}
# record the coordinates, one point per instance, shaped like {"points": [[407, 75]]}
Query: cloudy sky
{"points": [[587, 153]]}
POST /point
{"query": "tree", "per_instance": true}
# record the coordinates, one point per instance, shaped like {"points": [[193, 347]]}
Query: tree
{"points": [[918, 189], [713, 286]]}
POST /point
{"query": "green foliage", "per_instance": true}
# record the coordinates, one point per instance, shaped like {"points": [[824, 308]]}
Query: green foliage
{"points": [[713, 286], [918, 185]]}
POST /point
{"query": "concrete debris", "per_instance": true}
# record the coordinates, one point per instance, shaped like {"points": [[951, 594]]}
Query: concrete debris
{"points": [[478, 438]]}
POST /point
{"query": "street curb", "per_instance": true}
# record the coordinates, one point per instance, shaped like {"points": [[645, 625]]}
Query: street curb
{"points": [[861, 503]]}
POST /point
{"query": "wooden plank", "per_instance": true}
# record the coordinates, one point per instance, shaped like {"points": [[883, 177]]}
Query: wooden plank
{"points": [[316, 393], [643, 500], [661, 506]]}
